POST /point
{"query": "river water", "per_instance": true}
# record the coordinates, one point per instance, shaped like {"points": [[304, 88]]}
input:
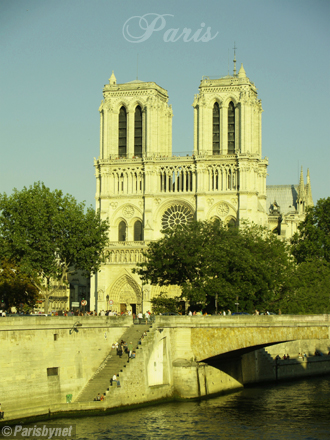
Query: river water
{"points": [[284, 411]]}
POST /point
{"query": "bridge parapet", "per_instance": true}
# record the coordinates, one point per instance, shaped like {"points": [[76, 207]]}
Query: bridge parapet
{"points": [[176, 321]]}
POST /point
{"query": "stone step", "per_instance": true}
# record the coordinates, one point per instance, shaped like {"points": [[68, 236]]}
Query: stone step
{"points": [[113, 364]]}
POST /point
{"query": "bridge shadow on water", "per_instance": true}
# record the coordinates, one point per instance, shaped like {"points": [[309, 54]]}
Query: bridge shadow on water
{"points": [[231, 361]]}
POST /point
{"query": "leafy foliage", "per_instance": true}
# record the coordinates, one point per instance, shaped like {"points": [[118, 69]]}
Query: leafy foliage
{"points": [[50, 234], [311, 250], [162, 304], [207, 260], [313, 238], [310, 289], [16, 287]]}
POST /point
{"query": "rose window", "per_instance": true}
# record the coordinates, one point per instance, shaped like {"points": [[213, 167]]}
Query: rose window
{"points": [[223, 209], [176, 215]]}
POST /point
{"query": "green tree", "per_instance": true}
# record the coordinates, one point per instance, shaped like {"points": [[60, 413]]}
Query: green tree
{"points": [[207, 261], [50, 234], [310, 289], [17, 287], [162, 304], [311, 250], [313, 236]]}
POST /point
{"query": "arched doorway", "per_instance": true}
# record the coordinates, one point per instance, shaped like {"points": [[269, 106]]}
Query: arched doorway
{"points": [[126, 295]]}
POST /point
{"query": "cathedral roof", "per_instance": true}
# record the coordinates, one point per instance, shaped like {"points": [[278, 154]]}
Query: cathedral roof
{"points": [[136, 81], [285, 197]]}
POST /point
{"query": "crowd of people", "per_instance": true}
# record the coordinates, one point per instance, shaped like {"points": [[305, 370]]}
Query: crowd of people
{"points": [[301, 356]]}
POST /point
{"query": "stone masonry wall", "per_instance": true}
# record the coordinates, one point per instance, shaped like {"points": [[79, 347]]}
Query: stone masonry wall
{"points": [[43, 358]]}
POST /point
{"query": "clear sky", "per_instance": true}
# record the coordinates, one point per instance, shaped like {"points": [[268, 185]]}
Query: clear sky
{"points": [[57, 55]]}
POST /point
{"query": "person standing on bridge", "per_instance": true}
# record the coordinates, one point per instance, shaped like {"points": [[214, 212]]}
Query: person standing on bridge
{"points": [[130, 349]]}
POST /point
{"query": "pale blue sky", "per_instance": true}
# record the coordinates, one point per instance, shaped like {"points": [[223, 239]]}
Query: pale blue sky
{"points": [[57, 55]]}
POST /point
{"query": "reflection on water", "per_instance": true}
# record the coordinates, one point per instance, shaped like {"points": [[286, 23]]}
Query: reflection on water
{"points": [[286, 411]]}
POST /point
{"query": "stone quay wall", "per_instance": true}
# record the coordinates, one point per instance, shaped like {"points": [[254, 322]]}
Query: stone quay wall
{"points": [[43, 359]]}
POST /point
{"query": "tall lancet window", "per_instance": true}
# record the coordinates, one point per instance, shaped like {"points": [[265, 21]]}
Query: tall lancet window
{"points": [[138, 231], [231, 128], [122, 133], [138, 132], [122, 231], [216, 129]]}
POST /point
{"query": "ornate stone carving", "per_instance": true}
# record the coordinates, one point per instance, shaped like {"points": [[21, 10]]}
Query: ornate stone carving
{"points": [[128, 211], [223, 209], [100, 294], [176, 215], [108, 106], [210, 201], [114, 204]]}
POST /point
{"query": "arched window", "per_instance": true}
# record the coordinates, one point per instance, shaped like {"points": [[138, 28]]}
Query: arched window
{"points": [[122, 231], [231, 223], [216, 129], [138, 132], [122, 133], [138, 231], [231, 128]]}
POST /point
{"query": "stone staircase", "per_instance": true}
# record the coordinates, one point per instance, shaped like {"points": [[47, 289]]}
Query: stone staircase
{"points": [[113, 364]]}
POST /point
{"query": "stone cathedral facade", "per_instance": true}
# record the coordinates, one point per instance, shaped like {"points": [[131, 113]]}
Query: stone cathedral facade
{"points": [[142, 188]]}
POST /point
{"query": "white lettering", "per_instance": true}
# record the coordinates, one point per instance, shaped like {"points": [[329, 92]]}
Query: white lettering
{"points": [[36, 431], [18, 428], [207, 36], [145, 26], [51, 432], [158, 23]]}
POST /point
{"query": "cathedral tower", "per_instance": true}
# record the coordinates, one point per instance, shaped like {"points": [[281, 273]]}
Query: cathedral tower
{"points": [[135, 120], [143, 189], [227, 135]]}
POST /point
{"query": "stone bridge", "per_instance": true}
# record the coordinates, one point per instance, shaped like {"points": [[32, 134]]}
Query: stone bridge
{"points": [[211, 354], [206, 337]]}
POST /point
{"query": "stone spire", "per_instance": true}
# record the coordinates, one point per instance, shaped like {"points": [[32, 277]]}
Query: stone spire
{"points": [[301, 194], [235, 74], [308, 191], [112, 79], [241, 73]]}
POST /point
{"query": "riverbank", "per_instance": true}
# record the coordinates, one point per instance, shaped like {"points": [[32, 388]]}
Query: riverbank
{"points": [[48, 361]]}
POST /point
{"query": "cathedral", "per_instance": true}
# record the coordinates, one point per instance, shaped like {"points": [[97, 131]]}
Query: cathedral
{"points": [[142, 188]]}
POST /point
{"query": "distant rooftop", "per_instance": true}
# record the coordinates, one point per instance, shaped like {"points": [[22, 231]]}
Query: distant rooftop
{"points": [[284, 195]]}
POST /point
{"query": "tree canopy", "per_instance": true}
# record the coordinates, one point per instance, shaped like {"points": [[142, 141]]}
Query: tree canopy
{"points": [[162, 304], [17, 287], [311, 250], [310, 289], [248, 265], [50, 234], [313, 237]]}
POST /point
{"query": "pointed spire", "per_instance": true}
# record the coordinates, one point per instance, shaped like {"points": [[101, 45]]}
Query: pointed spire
{"points": [[301, 185], [308, 191], [301, 193], [235, 74], [112, 79], [241, 73]]}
